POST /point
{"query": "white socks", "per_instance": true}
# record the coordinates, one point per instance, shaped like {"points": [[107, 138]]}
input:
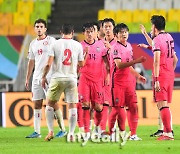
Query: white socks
{"points": [[49, 117], [72, 120], [60, 120], [160, 123], [37, 120]]}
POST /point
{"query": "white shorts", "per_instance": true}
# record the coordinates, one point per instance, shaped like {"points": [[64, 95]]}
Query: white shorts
{"points": [[66, 85], [38, 93]]}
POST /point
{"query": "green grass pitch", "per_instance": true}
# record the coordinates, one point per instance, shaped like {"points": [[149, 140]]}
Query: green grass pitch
{"points": [[13, 141]]}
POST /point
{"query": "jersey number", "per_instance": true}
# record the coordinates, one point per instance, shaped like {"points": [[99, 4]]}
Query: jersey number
{"points": [[40, 52], [67, 53], [170, 49]]}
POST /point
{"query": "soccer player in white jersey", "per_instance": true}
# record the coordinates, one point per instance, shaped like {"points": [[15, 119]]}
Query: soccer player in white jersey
{"points": [[65, 56], [38, 56]]}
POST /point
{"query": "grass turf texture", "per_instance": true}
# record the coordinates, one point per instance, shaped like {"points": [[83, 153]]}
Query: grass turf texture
{"points": [[12, 141]]}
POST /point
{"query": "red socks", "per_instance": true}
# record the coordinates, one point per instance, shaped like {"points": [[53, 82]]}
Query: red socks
{"points": [[166, 119], [86, 119], [121, 118], [133, 118], [104, 117], [80, 115]]}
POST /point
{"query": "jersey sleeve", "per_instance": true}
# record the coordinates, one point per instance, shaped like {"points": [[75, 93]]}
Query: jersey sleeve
{"points": [[80, 56], [30, 52], [155, 45], [51, 50]]}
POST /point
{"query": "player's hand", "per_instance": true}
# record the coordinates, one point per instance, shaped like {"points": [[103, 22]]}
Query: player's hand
{"points": [[86, 50], [142, 45], [44, 82], [27, 85], [143, 29], [142, 79], [157, 86], [140, 59], [107, 44]]}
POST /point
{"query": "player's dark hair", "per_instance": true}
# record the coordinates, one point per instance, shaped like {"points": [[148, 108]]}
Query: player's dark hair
{"points": [[100, 22], [97, 25], [120, 27], [108, 20], [67, 29], [158, 21], [41, 21], [87, 25]]}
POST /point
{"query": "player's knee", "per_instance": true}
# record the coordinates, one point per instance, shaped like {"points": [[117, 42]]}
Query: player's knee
{"points": [[38, 104], [86, 104], [161, 105], [99, 107]]}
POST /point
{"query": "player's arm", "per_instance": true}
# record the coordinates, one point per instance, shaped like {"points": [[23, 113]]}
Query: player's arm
{"points": [[147, 37], [107, 80], [175, 60], [85, 55], [142, 45], [138, 76], [156, 69], [122, 65], [46, 70], [30, 68]]}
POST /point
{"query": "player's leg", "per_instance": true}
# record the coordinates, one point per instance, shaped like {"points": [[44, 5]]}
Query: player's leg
{"points": [[97, 99], [162, 98], [131, 102], [80, 117], [49, 112], [84, 95], [166, 119], [71, 97], [105, 112], [159, 132], [38, 96], [60, 121], [55, 90]]}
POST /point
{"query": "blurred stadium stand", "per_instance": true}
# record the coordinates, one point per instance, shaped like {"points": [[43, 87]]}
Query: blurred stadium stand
{"points": [[17, 18]]}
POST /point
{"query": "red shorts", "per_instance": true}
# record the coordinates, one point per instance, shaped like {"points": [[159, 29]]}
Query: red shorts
{"points": [[165, 94], [107, 94], [90, 91], [123, 95]]}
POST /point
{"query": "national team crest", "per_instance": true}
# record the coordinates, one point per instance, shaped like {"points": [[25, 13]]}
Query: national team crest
{"points": [[45, 43], [115, 52], [98, 49]]}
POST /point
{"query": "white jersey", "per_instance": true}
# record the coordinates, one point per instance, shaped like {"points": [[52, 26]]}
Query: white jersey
{"points": [[66, 53], [38, 51]]}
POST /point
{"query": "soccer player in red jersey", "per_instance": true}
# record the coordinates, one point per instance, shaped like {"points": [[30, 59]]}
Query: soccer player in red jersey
{"points": [[159, 132], [123, 83], [90, 82], [164, 64], [108, 25]]}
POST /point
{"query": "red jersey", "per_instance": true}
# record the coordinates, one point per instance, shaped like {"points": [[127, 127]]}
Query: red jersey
{"points": [[94, 62], [164, 43], [119, 51]]}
